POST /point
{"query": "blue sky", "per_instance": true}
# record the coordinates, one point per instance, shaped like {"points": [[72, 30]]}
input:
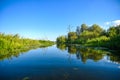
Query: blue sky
{"points": [[47, 19]]}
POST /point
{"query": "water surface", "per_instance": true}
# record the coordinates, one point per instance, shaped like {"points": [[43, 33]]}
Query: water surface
{"points": [[61, 63]]}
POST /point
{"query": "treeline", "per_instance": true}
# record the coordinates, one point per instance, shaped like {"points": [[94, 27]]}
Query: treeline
{"points": [[12, 42], [13, 45], [93, 36]]}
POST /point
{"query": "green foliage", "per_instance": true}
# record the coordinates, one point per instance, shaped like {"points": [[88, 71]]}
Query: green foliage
{"points": [[61, 39], [114, 42], [95, 36], [72, 36], [89, 35], [95, 28], [45, 43], [99, 41], [84, 27], [10, 44], [112, 32], [15, 42]]}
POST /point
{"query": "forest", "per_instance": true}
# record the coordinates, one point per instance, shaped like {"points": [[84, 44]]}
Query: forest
{"points": [[93, 36]]}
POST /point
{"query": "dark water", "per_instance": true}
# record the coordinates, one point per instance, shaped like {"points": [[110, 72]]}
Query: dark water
{"points": [[62, 63]]}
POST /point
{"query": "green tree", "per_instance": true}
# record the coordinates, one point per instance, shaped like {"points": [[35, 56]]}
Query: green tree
{"points": [[118, 29], [89, 35], [96, 28], [84, 27], [112, 31], [72, 36], [61, 39]]}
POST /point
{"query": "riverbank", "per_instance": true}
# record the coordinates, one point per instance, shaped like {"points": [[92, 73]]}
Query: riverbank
{"points": [[12, 45], [93, 36]]}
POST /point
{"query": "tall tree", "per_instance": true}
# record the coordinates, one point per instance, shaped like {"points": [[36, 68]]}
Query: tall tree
{"points": [[72, 36], [118, 29], [61, 39], [96, 28], [84, 27], [112, 31]]}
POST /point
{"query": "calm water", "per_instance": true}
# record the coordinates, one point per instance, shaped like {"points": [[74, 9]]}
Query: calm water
{"points": [[61, 63]]}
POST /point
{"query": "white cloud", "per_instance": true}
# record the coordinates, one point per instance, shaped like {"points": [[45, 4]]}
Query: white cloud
{"points": [[112, 23], [116, 22]]}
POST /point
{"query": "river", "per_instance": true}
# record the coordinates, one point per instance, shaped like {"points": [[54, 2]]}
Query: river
{"points": [[61, 63]]}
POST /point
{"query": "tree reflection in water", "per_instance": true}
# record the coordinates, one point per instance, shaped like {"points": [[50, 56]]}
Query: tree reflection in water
{"points": [[61, 46], [82, 53], [8, 54], [85, 53]]}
